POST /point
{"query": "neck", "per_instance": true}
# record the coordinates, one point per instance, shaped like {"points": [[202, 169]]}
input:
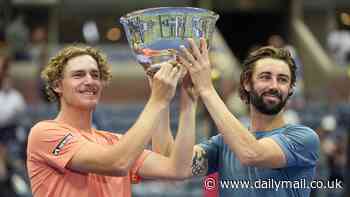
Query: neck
{"points": [[263, 122], [78, 118]]}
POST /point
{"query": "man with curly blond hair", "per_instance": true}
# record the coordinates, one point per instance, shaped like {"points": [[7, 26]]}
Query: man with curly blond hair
{"points": [[53, 71], [67, 157]]}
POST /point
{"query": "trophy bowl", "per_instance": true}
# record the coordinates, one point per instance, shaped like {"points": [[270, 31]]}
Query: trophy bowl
{"points": [[155, 34]]}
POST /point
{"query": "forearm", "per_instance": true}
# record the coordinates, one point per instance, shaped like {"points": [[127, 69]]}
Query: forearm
{"points": [[235, 134], [132, 144], [162, 139], [181, 155]]}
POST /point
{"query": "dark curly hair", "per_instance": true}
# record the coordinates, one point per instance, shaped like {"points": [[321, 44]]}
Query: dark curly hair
{"points": [[53, 72], [261, 53]]}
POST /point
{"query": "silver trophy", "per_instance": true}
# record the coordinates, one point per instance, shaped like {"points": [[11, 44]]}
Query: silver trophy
{"points": [[155, 34]]}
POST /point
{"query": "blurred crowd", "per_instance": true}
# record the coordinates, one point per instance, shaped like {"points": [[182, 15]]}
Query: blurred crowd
{"points": [[332, 122], [12, 138]]}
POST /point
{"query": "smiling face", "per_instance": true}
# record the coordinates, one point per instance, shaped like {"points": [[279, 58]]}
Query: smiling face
{"points": [[81, 83], [270, 85]]}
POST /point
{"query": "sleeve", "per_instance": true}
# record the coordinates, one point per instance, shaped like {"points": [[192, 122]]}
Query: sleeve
{"points": [[54, 144], [212, 148], [300, 145], [135, 177]]}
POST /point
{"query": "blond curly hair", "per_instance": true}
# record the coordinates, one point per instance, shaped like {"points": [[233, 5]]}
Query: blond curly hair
{"points": [[53, 72]]}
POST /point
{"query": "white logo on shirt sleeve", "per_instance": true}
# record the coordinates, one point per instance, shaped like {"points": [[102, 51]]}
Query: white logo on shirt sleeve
{"points": [[61, 144]]}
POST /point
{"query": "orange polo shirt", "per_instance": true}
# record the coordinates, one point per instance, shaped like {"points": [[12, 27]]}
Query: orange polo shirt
{"points": [[51, 145]]}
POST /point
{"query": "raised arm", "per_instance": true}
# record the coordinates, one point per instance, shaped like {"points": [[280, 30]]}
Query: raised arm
{"points": [[178, 164], [250, 151], [119, 158], [162, 139]]}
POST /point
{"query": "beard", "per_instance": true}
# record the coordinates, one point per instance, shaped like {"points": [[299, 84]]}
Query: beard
{"points": [[264, 107]]}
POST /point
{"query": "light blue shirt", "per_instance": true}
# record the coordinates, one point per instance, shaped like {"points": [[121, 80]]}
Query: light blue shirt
{"points": [[300, 145]]}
